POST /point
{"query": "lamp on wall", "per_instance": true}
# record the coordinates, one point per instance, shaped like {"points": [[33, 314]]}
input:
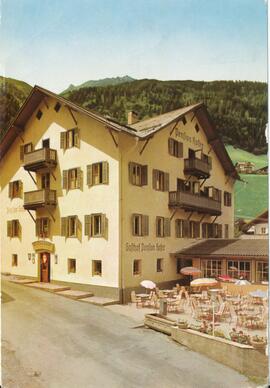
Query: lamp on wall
{"points": [[33, 258], [55, 259], [29, 256]]}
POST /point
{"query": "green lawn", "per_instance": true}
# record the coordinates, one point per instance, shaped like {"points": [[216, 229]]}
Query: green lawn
{"points": [[251, 198], [238, 155]]}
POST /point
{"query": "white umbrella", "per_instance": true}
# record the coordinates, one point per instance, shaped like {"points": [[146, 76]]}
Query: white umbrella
{"points": [[242, 282], [148, 284], [190, 271], [203, 282]]}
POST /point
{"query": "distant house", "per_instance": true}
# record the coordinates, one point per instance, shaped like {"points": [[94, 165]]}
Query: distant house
{"points": [[245, 167], [262, 171], [258, 227]]}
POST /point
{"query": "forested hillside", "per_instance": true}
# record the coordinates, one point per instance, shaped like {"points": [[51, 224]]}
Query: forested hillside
{"points": [[239, 109]]}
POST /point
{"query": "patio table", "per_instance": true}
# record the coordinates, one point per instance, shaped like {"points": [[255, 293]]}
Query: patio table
{"points": [[143, 295]]}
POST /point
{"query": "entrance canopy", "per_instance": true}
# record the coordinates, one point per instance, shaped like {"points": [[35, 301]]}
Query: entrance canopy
{"points": [[43, 246]]}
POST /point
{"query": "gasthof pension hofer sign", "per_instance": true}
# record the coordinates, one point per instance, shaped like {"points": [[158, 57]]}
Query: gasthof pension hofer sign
{"points": [[142, 247]]}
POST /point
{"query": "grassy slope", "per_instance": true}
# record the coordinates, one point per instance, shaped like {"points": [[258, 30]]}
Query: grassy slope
{"points": [[238, 155], [251, 198]]}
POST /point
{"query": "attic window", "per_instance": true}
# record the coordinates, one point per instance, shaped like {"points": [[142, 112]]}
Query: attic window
{"points": [[197, 127], [184, 120], [57, 107], [39, 114]]}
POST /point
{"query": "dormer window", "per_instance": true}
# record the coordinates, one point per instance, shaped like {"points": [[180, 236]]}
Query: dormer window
{"points": [[39, 114]]}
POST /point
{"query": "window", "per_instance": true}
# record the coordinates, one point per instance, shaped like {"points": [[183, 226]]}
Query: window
{"points": [[57, 107], [227, 199], [211, 268], [13, 228], [39, 114], [263, 230], [160, 180], [42, 227], [14, 261], [96, 268], [25, 149], [210, 230], [138, 174], [159, 265], [187, 229], [181, 263], [46, 143], [137, 267], [96, 225], [261, 271], [237, 269], [70, 139], [73, 179], [45, 181], [140, 225], [98, 173], [70, 226], [71, 265], [175, 148], [163, 226], [15, 189], [184, 120], [226, 231], [197, 128]]}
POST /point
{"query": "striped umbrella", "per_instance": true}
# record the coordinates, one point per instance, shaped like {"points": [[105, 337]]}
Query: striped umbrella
{"points": [[203, 282], [190, 271]]}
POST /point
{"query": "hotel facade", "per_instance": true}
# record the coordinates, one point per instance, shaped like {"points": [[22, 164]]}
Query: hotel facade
{"points": [[101, 206]]}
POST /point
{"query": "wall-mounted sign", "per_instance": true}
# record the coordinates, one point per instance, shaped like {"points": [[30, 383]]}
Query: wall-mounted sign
{"points": [[190, 139], [142, 247]]}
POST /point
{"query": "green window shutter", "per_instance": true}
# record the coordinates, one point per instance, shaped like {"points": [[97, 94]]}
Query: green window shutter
{"points": [[80, 179], [155, 179], [166, 181], [167, 227], [77, 137], [9, 228], [170, 145], [103, 225], [144, 172], [65, 179], [20, 189], [78, 228], [91, 225], [196, 229], [157, 219], [219, 230], [145, 225], [186, 229], [37, 227], [49, 227], [105, 173], [19, 229], [10, 191], [87, 224], [63, 140], [21, 153], [90, 175], [133, 224], [64, 226], [180, 150], [130, 172], [177, 229]]}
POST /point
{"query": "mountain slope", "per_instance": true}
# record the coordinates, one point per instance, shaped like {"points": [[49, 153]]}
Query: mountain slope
{"points": [[100, 82], [239, 109], [12, 95]]}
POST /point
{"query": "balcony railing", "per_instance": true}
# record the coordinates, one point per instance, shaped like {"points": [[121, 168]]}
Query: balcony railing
{"points": [[194, 202], [40, 159], [39, 198], [196, 167]]}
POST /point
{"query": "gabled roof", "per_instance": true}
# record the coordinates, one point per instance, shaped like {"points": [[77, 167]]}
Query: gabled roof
{"points": [[261, 218], [226, 248], [142, 130]]}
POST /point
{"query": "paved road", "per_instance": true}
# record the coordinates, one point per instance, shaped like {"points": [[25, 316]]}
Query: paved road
{"points": [[61, 343]]}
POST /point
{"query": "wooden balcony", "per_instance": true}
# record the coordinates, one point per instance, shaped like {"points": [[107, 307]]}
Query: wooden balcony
{"points": [[196, 167], [39, 198], [194, 202], [42, 159]]}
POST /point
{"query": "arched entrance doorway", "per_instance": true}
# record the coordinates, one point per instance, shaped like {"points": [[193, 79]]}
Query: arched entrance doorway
{"points": [[44, 250]]}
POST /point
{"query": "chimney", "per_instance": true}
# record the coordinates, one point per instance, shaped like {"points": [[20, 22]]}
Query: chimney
{"points": [[132, 118]]}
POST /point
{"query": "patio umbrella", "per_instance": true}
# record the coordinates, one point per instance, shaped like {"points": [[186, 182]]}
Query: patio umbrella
{"points": [[203, 282], [190, 271], [242, 282], [226, 278], [233, 268], [258, 294], [148, 284]]}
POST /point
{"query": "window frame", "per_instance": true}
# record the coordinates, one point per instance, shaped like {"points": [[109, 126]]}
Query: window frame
{"points": [[72, 266], [159, 265], [137, 272], [96, 263]]}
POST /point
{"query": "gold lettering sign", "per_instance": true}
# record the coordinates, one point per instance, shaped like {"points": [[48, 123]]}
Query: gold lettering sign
{"points": [[142, 247], [40, 246]]}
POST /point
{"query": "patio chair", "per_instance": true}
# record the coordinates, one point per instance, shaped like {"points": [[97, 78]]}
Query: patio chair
{"points": [[223, 312], [136, 299]]}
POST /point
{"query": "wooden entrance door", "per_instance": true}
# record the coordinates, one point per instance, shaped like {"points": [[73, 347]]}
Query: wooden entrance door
{"points": [[45, 267]]}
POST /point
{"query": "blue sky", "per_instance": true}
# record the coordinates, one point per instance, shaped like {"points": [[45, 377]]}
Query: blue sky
{"points": [[53, 43]]}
